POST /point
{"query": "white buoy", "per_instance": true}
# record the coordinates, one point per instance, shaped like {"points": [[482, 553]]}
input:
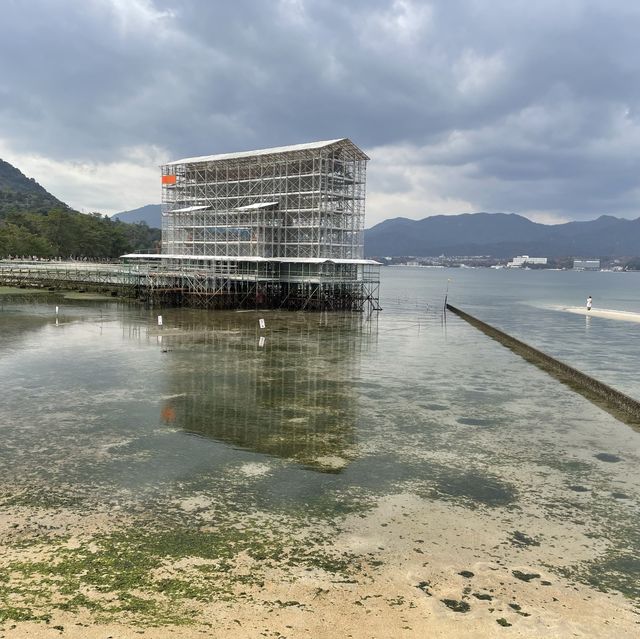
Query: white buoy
{"points": [[261, 323], [261, 341], [159, 320], [57, 309]]}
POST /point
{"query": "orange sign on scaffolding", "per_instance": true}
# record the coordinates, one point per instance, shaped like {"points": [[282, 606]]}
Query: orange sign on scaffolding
{"points": [[168, 179]]}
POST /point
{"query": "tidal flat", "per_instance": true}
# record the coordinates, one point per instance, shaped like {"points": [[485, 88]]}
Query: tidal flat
{"points": [[401, 476]]}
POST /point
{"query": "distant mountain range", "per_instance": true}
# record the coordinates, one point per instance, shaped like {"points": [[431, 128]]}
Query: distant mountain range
{"points": [[502, 235], [150, 214]]}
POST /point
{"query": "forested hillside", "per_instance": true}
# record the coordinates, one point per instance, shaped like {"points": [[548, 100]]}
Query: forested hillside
{"points": [[35, 223], [64, 233], [20, 193]]}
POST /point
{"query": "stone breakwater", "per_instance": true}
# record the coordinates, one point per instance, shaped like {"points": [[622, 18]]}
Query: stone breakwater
{"points": [[625, 408]]}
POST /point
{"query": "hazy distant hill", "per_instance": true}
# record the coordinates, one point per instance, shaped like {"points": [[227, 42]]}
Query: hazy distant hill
{"points": [[20, 193], [150, 214], [502, 235]]}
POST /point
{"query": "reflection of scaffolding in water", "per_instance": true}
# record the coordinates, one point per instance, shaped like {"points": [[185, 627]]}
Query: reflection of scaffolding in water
{"points": [[279, 227], [293, 397]]}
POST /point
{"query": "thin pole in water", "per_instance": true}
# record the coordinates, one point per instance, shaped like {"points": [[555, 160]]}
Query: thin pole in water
{"points": [[446, 294]]}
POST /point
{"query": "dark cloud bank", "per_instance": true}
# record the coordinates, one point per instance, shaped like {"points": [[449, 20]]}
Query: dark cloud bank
{"points": [[529, 107]]}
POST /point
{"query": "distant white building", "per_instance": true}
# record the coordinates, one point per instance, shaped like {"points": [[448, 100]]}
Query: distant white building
{"points": [[522, 260], [586, 265]]}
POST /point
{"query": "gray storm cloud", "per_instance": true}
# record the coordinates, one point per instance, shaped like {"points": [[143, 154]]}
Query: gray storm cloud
{"points": [[505, 106]]}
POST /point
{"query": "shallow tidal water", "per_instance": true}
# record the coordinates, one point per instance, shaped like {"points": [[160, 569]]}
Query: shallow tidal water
{"points": [[199, 425]]}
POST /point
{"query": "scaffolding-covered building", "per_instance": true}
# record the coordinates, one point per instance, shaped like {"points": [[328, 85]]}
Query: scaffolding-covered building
{"points": [[279, 228]]}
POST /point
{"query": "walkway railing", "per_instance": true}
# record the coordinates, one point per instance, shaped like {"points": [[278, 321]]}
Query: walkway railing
{"points": [[182, 284]]}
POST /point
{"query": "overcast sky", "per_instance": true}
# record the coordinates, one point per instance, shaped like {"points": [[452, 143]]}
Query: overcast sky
{"points": [[530, 107]]}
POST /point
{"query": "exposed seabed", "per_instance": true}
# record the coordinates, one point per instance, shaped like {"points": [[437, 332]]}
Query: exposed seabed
{"points": [[414, 480]]}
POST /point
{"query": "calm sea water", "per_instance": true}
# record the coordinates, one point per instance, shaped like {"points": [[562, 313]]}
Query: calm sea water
{"points": [[331, 410], [526, 304]]}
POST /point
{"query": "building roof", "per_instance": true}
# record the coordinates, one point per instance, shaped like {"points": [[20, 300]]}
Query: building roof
{"points": [[309, 146]]}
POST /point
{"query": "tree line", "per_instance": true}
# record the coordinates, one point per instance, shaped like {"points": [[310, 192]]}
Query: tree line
{"points": [[63, 233]]}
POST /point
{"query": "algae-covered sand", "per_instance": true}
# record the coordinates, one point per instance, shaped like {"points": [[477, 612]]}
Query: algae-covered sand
{"points": [[208, 484], [14, 290], [403, 567]]}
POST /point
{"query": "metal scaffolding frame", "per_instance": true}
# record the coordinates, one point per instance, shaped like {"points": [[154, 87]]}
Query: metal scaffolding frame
{"points": [[274, 228], [223, 282], [304, 201], [298, 210]]}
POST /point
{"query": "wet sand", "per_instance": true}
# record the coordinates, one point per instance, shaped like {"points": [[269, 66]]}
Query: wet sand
{"points": [[625, 316], [426, 569]]}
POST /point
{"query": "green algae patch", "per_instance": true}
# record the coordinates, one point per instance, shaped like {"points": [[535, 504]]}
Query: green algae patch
{"points": [[472, 487], [92, 297], [616, 571], [456, 606], [52, 499], [477, 487], [608, 457], [10, 290], [525, 576], [154, 576], [522, 540]]}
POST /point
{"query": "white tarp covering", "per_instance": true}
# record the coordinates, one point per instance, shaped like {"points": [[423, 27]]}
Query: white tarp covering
{"points": [[246, 258], [188, 209], [260, 205]]}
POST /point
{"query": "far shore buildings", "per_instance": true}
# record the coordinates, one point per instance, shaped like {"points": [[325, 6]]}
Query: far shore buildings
{"points": [[586, 265], [279, 228], [522, 261]]}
